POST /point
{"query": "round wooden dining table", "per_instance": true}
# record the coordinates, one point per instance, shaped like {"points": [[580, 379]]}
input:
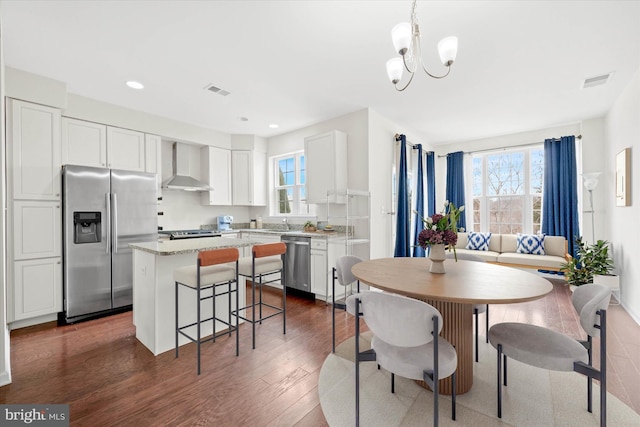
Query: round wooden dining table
{"points": [[454, 293]]}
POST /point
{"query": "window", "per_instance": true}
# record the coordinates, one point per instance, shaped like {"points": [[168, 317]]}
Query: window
{"points": [[290, 194], [507, 191]]}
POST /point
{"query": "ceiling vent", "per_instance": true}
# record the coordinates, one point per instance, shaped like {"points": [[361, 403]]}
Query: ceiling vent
{"points": [[597, 80], [217, 90]]}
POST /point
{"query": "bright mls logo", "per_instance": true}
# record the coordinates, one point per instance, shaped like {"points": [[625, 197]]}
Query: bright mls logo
{"points": [[37, 415]]}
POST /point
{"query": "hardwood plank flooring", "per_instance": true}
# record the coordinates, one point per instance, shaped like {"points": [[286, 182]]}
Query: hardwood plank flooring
{"points": [[109, 378]]}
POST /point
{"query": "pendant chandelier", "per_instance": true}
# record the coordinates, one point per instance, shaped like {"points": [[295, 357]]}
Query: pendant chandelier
{"points": [[406, 40]]}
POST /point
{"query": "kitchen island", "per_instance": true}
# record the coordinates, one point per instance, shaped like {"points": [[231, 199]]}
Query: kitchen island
{"points": [[154, 289]]}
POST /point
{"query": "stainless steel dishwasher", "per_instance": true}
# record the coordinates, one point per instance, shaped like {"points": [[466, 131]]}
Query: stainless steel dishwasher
{"points": [[298, 262]]}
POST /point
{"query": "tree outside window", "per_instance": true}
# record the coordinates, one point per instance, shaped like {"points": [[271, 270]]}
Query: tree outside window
{"points": [[507, 191]]}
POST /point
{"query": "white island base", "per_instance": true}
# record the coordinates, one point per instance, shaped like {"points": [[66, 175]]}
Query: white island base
{"points": [[154, 291]]}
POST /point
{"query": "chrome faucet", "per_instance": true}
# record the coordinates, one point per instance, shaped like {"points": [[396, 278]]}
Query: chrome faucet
{"points": [[285, 221]]}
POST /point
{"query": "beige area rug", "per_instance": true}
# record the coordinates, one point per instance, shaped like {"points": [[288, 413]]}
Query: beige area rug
{"points": [[534, 397]]}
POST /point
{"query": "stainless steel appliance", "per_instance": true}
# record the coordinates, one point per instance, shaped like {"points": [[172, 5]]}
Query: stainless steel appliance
{"points": [[188, 234], [103, 211], [224, 222], [298, 262]]}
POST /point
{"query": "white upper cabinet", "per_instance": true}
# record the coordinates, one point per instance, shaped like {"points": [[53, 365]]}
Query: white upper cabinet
{"points": [[215, 169], [94, 144], [84, 143], [326, 162], [35, 151], [248, 178], [125, 149]]}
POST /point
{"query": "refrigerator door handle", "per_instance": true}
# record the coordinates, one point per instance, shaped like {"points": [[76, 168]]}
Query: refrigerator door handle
{"points": [[107, 198], [114, 219]]}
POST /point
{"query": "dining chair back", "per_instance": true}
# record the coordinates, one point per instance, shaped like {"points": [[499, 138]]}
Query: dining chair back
{"points": [[405, 341], [548, 349], [341, 273]]}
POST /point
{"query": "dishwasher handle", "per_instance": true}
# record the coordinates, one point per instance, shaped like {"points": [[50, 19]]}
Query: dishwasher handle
{"points": [[296, 243]]}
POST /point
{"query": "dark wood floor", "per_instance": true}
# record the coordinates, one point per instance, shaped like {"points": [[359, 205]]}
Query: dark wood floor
{"points": [[109, 378]]}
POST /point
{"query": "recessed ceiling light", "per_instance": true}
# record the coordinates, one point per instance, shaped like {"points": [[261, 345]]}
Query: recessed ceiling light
{"points": [[135, 85], [273, 126], [243, 119]]}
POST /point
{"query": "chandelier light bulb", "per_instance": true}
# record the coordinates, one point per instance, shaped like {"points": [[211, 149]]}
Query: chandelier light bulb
{"points": [[406, 41], [401, 37], [448, 49], [394, 69]]}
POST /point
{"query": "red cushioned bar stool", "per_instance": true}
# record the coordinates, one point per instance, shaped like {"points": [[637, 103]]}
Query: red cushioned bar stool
{"points": [[214, 275], [265, 265]]}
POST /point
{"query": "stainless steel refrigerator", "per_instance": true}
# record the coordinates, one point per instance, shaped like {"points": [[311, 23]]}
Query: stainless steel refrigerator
{"points": [[103, 211]]}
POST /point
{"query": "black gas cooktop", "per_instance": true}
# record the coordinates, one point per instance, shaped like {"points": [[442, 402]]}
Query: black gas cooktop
{"points": [[189, 234]]}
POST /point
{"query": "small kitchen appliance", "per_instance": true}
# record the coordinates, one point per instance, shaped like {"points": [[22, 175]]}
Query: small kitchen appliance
{"points": [[224, 222]]}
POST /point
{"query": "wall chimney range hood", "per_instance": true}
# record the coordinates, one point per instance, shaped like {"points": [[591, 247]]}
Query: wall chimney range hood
{"points": [[182, 179]]}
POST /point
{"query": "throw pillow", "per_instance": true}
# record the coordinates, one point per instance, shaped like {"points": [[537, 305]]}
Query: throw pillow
{"points": [[532, 244], [478, 241]]}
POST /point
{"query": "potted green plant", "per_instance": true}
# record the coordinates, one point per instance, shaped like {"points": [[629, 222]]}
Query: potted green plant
{"points": [[309, 227], [590, 260]]}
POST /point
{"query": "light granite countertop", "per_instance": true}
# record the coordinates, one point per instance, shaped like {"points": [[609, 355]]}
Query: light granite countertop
{"points": [[165, 247], [300, 233]]}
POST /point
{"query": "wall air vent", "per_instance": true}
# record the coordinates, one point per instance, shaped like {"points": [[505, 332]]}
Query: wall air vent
{"points": [[596, 80], [217, 90]]}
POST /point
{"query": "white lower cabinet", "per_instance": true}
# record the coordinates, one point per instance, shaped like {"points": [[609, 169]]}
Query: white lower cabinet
{"points": [[319, 268], [37, 288]]}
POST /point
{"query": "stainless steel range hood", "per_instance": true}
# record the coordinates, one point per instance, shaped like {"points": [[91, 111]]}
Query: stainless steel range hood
{"points": [[182, 179]]}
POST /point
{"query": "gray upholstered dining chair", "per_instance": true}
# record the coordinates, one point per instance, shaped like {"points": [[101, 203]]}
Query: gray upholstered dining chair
{"points": [[406, 341], [342, 273], [548, 349], [477, 308]]}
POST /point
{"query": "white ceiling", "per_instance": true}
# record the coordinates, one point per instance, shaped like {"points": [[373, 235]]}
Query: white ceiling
{"points": [[520, 64]]}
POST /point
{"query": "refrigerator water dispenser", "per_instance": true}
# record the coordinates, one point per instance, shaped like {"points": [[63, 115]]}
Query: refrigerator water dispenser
{"points": [[86, 227]]}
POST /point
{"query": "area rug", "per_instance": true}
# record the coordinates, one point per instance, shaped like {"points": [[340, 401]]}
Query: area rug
{"points": [[534, 397]]}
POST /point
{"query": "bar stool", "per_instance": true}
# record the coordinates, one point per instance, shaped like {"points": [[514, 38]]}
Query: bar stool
{"points": [[213, 270], [266, 261]]}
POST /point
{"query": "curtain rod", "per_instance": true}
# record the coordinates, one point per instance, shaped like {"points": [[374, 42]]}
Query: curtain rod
{"points": [[508, 147], [414, 146]]}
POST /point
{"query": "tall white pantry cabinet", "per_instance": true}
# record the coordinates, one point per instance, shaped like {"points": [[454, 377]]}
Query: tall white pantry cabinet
{"points": [[35, 227]]}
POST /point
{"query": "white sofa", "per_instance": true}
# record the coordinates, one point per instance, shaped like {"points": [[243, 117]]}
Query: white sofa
{"points": [[502, 250]]}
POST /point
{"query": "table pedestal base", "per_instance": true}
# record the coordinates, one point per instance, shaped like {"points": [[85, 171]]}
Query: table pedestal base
{"points": [[458, 330]]}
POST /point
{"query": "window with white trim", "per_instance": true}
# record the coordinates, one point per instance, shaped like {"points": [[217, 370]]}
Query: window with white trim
{"points": [[290, 198], [507, 190]]}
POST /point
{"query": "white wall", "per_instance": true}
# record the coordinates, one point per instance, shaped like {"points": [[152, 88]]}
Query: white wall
{"points": [[622, 130]]}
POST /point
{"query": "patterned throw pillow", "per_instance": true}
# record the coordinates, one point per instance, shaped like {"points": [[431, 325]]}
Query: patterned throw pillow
{"points": [[478, 241], [530, 244]]}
